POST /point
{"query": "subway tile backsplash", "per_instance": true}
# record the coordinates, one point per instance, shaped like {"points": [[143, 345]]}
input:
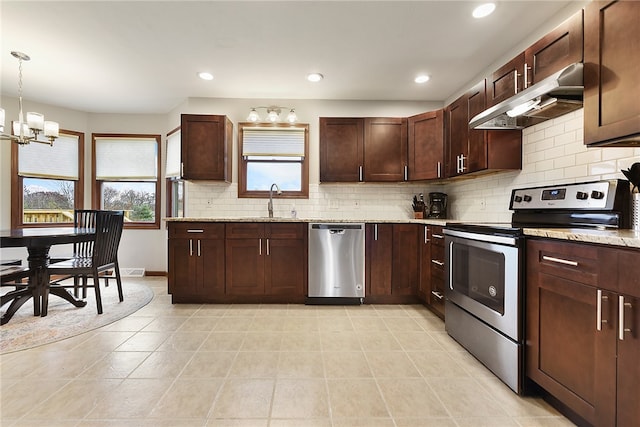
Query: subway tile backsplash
{"points": [[553, 153]]}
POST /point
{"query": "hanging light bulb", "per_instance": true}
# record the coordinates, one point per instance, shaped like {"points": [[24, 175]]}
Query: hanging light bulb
{"points": [[253, 116], [273, 115], [292, 117]]}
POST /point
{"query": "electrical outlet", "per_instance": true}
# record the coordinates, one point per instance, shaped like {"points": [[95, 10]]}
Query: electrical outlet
{"points": [[333, 204], [483, 204], [356, 204]]}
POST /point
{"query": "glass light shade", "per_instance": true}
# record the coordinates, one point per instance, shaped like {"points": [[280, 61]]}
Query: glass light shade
{"points": [[253, 116], [1, 119], [51, 129], [20, 132], [273, 116], [522, 108], [35, 120], [292, 117]]}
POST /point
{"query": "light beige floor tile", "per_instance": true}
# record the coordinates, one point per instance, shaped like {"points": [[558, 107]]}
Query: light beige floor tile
{"points": [[379, 341], [402, 324], [209, 364], [217, 422], [144, 341], [300, 324], [199, 323], [25, 422], [267, 323], [390, 310], [487, 422], [366, 310], [129, 324], [301, 341], [302, 310], [301, 422], [162, 364], [188, 398], [164, 324], [431, 324], [233, 323], [514, 405], [223, 341], [300, 364], [334, 324], [132, 398], [244, 398], [426, 422], [543, 422], [461, 398], [407, 397], [363, 422], [166, 422], [417, 341], [300, 398], [261, 341], [334, 311], [263, 364], [391, 364], [184, 341], [212, 310], [369, 324], [20, 397], [340, 341], [65, 364], [356, 398], [118, 364], [436, 364], [448, 343], [346, 364], [104, 341]]}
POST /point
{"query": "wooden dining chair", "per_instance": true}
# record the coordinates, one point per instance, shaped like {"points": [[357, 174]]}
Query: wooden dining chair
{"points": [[12, 274], [103, 256]]}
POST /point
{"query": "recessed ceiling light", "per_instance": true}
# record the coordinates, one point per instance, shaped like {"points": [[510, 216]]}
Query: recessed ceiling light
{"points": [[205, 76], [314, 77], [423, 78], [484, 10]]}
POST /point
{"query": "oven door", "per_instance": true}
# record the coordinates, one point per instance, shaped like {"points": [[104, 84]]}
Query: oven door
{"points": [[483, 277]]}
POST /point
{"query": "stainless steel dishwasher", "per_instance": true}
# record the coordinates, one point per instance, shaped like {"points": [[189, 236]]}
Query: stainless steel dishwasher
{"points": [[336, 264]]}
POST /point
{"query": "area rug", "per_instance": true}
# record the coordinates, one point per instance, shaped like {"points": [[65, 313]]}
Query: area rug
{"points": [[64, 320]]}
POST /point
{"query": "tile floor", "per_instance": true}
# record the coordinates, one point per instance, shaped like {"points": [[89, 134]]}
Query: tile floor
{"points": [[262, 366]]}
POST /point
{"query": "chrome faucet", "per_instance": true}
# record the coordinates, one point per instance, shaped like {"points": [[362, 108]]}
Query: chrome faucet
{"points": [[270, 205]]}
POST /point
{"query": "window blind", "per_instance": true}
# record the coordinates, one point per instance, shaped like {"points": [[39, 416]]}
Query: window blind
{"points": [[44, 161], [126, 159], [275, 142], [172, 167]]}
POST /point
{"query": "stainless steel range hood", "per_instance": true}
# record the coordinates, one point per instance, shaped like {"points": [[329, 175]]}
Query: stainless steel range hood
{"points": [[552, 97]]}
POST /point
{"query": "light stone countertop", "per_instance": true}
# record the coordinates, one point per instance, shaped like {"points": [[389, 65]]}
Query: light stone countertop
{"points": [[620, 238]]}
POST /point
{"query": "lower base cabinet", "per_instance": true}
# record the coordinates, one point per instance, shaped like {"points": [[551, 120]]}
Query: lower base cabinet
{"points": [[583, 329]]}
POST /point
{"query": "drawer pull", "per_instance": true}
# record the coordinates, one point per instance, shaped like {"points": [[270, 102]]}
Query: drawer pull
{"points": [[190, 247], [599, 319], [426, 235], [437, 295], [193, 230], [437, 236], [437, 262], [621, 307], [560, 260], [198, 247]]}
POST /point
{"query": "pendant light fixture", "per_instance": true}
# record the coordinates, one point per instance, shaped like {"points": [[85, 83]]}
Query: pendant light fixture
{"points": [[27, 131], [273, 114]]}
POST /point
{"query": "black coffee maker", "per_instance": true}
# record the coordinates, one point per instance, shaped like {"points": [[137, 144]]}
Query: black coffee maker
{"points": [[437, 205]]}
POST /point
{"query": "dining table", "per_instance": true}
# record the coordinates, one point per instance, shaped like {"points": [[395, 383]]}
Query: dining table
{"points": [[38, 241]]}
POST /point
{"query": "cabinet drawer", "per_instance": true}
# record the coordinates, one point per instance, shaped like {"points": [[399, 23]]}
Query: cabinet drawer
{"points": [[437, 237], [570, 261], [245, 230], [201, 230], [282, 230]]}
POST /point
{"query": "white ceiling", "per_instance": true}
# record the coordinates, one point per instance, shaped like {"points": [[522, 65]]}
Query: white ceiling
{"points": [[143, 56]]}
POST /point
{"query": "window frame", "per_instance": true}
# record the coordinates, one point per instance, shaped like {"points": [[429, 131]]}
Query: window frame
{"points": [[96, 185], [242, 164], [17, 187]]}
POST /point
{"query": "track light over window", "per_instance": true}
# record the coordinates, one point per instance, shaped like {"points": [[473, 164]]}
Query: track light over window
{"points": [[273, 114]]}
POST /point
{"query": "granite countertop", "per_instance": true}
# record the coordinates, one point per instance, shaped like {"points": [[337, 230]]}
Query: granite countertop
{"points": [[428, 221], [625, 238]]}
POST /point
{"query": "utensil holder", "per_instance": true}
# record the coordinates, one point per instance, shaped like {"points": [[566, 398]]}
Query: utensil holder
{"points": [[635, 211]]}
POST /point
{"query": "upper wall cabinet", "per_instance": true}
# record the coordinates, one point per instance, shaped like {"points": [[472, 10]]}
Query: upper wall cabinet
{"points": [[426, 145], [363, 149], [558, 49], [206, 147], [611, 73]]}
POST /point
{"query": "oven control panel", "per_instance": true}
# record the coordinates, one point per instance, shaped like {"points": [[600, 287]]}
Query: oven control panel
{"points": [[598, 195]]}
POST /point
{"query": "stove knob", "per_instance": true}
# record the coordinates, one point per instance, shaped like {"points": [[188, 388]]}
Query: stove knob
{"points": [[581, 195], [597, 194], [527, 198], [517, 199]]}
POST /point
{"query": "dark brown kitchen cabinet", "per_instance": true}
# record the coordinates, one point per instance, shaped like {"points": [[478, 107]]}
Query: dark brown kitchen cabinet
{"points": [[611, 69], [426, 146], [473, 150], [506, 81], [196, 264], [206, 147], [583, 320], [392, 265], [341, 149], [363, 149], [266, 259], [436, 291], [424, 284]]}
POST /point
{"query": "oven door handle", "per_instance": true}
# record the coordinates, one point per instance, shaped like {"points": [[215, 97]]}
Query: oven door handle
{"points": [[451, 265], [489, 238]]}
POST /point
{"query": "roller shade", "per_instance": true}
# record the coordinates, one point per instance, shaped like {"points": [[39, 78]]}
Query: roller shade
{"points": [[273, 142], [172, 167], [122, 159], [44, 161]]}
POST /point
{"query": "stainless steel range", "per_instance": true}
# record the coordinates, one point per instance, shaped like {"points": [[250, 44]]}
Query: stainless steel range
{"points": [[485, 267]]}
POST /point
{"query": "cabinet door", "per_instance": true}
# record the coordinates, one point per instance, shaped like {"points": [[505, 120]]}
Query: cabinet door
{"points": [[558, 49], [611, 67], [424, 288], [210, 270], [379, 250], [426, 145], [285, 268], [628, 410], [505, 81], [205, 147], [182, 267], [245, 266], [457, 135], [405, 268], [477, 139], [385, 149], [341, 149]]}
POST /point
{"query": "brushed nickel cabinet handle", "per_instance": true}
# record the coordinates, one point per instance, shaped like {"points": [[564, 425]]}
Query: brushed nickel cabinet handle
{"points": [[526, 75], [599, 319], [198, 247], [450, 265], [437, 236], [426, 234], [375, 232], [439, 170], [406, 173], [194, 230], [621, 307], [437, 295], [560, 260], [515, 77], [268, 251], [190, 247], [259, 246], [360, 173], [437, 262]]}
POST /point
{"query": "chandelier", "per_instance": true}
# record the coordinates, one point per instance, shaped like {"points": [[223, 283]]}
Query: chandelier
{"points": [[273, 114], [28, 131]]}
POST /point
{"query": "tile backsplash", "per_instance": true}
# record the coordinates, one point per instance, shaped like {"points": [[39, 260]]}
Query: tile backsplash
{"points": [[553, 153]]}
